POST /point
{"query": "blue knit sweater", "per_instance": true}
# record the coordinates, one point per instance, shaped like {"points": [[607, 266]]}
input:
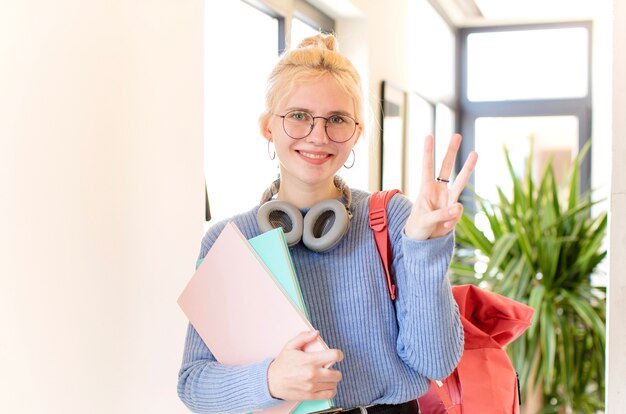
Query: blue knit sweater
{"points": [[390, 348]]}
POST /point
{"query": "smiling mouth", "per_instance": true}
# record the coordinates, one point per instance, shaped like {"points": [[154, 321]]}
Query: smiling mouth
{"points": [[314, 156]]}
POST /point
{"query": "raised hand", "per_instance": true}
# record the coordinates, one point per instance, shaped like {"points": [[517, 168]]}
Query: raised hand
{"points": [[437, 209], [296, 375]]}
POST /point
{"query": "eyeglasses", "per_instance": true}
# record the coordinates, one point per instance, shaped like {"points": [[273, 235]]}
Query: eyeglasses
{"points": [[300, 124]]}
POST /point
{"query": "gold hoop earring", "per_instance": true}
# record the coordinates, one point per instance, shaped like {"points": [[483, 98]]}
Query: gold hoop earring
{"points": [[272, 154], [353, 161]]}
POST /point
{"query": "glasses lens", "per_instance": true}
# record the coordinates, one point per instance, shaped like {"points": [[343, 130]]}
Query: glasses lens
{"points": [[297, 124], [340, 128]]}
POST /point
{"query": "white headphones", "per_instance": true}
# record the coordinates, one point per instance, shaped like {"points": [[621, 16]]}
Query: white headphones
{"points": [[321, 228]]}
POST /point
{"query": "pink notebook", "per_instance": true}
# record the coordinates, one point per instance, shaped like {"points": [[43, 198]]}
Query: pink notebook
{"points": [[239, 310]]}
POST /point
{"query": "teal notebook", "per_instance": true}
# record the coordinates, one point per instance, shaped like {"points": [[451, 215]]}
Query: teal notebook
{"points": [[272, 248]]}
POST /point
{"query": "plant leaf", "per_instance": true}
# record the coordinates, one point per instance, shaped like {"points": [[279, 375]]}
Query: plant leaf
{"points": [[500, 251]]}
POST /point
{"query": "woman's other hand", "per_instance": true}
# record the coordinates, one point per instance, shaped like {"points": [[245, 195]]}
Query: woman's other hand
{"points": [[295, 375], [437, 209]]}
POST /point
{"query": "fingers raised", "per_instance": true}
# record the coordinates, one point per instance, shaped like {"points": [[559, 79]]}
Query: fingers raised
{"points": [[448, 162], [463, 177]]}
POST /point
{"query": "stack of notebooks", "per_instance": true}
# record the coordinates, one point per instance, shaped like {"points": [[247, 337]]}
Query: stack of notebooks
{"points": [[245, 303]]}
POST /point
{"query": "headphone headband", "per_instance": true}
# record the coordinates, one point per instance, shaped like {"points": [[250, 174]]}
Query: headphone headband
{"points": [[340, 184], [321, 229]]}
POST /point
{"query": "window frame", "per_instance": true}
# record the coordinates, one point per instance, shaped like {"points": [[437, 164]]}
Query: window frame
{"points": [[265, 8], [302, 10], [314, 17], [470, 111]]}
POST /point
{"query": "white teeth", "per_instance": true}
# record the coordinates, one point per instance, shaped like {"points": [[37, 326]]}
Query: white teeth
{"points": [[315, 156]]}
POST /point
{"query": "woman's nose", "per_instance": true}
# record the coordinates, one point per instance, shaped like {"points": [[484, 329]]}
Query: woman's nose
{"points": [[318, 132]]}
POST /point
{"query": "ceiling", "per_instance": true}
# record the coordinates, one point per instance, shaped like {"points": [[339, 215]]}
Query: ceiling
{"points": [[486, 12], [462, 13]]}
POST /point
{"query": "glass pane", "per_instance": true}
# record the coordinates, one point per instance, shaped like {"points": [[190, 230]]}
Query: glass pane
{"points": [[233, 104], [529, 64], [554, 137], [420, 123], [300, 30]]}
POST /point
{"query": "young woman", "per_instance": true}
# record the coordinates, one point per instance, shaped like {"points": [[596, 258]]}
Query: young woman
{"points": [[383, 352]]}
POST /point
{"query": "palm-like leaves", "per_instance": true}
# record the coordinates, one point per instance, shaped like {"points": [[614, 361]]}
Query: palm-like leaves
{"points": [[542, 251]]}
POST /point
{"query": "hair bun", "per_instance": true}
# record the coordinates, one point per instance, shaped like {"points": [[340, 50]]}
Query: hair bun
{"points": [[327, 41]]}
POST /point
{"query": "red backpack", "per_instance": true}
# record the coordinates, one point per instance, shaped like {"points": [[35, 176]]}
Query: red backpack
{"points": [[484, 381]]}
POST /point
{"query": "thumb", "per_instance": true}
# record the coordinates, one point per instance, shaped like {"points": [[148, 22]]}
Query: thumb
{"points": [[301, 340]]}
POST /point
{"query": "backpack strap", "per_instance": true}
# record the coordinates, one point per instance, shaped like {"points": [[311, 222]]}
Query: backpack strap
{"points": [[378, 223]]}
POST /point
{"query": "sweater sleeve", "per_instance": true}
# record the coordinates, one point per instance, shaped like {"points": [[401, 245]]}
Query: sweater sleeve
{"points": [[430, 337], [206, 386]]}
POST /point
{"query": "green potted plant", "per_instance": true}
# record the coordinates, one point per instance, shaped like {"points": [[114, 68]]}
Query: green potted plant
{"points": [[541, 247]]}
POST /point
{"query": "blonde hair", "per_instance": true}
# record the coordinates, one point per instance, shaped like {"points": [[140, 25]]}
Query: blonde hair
{"points": [[315, 57]]}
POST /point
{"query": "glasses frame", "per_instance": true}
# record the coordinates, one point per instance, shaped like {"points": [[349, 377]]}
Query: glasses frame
{"points": [[313, 118]]}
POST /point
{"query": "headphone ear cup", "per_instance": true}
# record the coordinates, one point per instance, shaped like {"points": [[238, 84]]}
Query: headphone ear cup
{"points": [[276, 213], [325, 224]]}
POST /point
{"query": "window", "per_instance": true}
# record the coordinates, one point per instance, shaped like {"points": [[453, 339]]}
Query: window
{"points": [[234, 102], [300, 30], [553, 137], [308, 20], [529, 64], [523, 86]]}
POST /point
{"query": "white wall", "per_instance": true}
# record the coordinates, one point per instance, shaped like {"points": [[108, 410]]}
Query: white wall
{"points": [[350, 34], [382, 33], [101, 199], [616, 329]]}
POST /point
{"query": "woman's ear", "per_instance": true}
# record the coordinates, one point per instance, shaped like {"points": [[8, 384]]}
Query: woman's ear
{"points": [[264, 127], [357, 133]]}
